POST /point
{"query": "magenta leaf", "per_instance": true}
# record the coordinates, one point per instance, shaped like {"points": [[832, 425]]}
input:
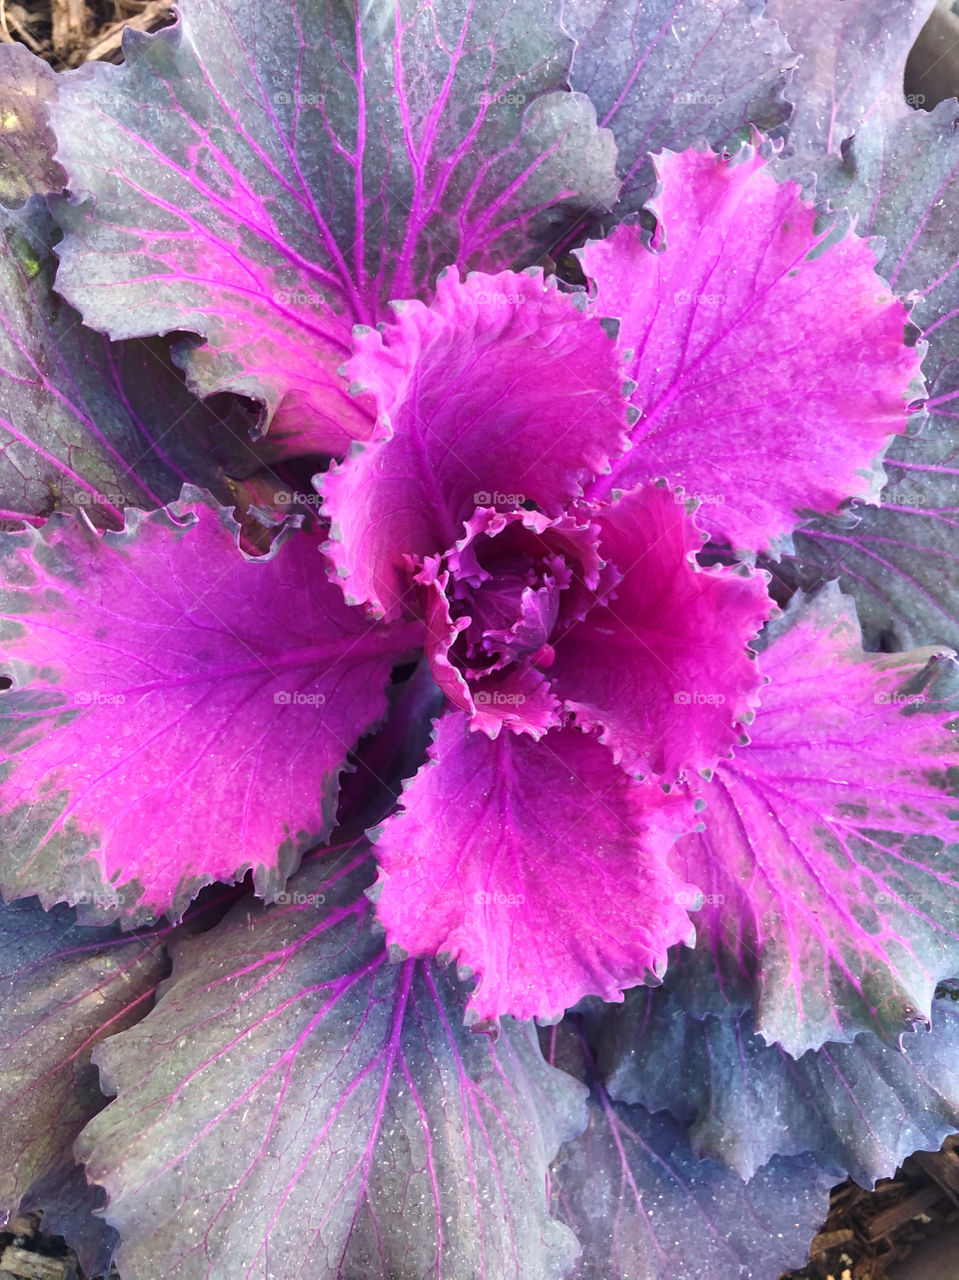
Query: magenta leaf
{"points": [[835, 88], [267, 178], [858, 1108], [539, 866], [655, 87], [663, 669], [512, 583], [339, 1119], [827, 870], [27, 84], [901, 561], [739, 381], [63, 988], [180, 712], [501, 393], [86, 423], [666, 1214]]}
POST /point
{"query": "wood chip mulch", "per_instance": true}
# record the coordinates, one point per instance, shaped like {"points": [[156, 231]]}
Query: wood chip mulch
{"points": [[67, 33], [868, 1232]]}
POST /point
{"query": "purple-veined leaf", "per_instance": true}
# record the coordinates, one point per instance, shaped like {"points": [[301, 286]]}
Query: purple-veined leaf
{"points": [[87, 423], [336, 1115], [538, 865], [180, 711], [644, 1207], [266, 177], [662, 670], [666, 73], [858, 1108], [852, 56], [500, 393], [901, 561], [828, 869], [63, 987], [27, 166], [520, 701], [740, 382]]}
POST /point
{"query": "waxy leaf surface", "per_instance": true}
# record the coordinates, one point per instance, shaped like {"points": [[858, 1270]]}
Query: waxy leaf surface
{"points": [[266, 177], [666, 73], [86, 423], [180, 712], [748, 397], [859, 1108], [644, 1206], [837, 84], [297, 1105], [63, 987], [829, 866], [900, 561], [538, 865]]}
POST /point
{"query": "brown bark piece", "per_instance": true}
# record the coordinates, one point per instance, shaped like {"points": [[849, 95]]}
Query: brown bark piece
{"points": [[943, 1166], [883, 1224], [32, 1266], [830, 1239], [107, 42], [68, 21]]}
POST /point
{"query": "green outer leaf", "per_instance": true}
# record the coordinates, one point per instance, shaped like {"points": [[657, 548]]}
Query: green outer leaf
{"points": [[266, 176], [852, 55], [27, 166], [900, 177], [296, 1105], [86, 423], [667, 73], [858, 1108], [63, 987]]}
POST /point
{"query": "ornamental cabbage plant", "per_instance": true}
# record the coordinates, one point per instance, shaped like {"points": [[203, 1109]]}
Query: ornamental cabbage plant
{"points": [[478, 591]]}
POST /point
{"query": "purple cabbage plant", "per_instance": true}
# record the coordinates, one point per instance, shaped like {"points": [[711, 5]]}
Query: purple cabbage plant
{"points": [[477, 576]]}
